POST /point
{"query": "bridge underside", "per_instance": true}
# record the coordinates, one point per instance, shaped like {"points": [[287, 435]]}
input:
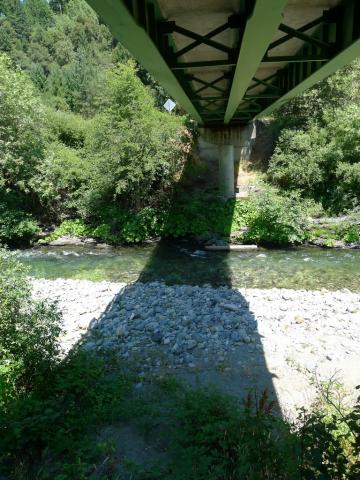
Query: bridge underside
{"points": [[230, 61]]}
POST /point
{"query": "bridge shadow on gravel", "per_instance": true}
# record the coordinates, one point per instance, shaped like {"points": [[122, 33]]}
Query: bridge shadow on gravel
{"points": [[189, 321], [182, 319]]}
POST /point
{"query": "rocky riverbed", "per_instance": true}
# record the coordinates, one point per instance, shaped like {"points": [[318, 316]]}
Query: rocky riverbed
{"points": [[234, 338]]}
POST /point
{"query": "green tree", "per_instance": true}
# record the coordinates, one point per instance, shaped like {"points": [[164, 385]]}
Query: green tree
{"points": [[22, 133], [317, 150], [38, 12], [335, 92], [322, 162], [136, 149]]}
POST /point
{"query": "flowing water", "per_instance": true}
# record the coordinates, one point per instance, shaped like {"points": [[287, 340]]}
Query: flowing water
{"points": [[301, 268]]}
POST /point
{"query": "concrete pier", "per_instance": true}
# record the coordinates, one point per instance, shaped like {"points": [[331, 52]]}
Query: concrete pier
{"points": [[226, 171]]}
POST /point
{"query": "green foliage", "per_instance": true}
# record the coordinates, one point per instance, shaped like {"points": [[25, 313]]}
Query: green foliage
{"points": [[52, 438], [351, 234], [57, 430], [217, 439], [71, 228], [135, 149], [329, 435], [348, 232], [205, 213], [277, 220], [16, 226], [60, 163], [21, 128], [68, 128], [298, 161], [318, 151], [65, 49], [323, 163], [336, 92], [271, 218], [59, 179], [29, 331]]}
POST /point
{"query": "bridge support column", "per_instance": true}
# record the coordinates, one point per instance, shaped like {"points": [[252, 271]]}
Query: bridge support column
{"points": [[226, 170]]}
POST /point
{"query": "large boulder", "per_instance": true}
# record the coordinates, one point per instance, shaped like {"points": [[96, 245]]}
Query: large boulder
{"points": [[66, 240]]}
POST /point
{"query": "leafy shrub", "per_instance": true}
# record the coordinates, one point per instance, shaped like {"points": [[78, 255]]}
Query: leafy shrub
{"points": [[217, 439], [329, 436], [271, 219], [52, 438], [68, 128], [29, 330], [16, 227], [22, 134], [72, 228], [136, 150], [59, 180], [322, 163], [298, 161], [351, 234], [277, 220]]}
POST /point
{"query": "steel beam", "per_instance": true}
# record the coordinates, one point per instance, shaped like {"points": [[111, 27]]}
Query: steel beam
{"points": [[332, 43], [343, 58], [198, 42], [295, 58], [303, 29], [259, 30], [303, 36], [138, 41]]}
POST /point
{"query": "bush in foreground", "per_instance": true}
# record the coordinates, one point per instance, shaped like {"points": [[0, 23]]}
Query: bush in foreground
{"points": [[200, 434], [29, 331]]}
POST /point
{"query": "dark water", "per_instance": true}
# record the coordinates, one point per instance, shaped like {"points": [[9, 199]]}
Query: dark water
{"points": [[309, 268]]}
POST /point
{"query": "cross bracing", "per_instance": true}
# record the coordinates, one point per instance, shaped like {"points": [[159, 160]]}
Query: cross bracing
{"points": [[227, 61]]}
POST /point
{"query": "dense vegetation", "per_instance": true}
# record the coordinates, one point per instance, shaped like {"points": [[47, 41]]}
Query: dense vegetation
{"points": [[80, 133], [85, 144], [54, 413], [318, 150]]}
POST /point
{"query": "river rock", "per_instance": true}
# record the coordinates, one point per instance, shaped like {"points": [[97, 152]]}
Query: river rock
{"points": [[66, 240], [172, 326]]}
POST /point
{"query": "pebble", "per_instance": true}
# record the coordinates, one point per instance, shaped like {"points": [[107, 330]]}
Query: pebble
{"points": [[185, 325]]}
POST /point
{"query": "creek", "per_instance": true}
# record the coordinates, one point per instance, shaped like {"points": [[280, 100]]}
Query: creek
{"points": [[183, 263]]}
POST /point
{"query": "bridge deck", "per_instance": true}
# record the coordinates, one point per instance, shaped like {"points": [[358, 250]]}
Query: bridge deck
{"points": [[228, 61]]}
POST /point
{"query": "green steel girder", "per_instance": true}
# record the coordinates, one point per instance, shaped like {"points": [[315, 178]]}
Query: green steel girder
{"points": [[259, 30], [302, 29], [134, 24], [296, 78], [295, 58], [306, 38], [329, 42], [172, 56]]}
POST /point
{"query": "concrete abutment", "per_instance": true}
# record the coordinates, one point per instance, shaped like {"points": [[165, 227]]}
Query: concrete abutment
{"points": [[235, 154]]}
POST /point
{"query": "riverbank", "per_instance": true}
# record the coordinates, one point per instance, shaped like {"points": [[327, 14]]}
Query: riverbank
{"points": [[237, 339]]}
